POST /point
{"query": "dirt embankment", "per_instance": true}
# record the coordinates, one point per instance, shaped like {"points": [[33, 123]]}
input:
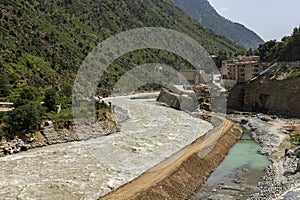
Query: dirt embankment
{"points": [[179, 176]]}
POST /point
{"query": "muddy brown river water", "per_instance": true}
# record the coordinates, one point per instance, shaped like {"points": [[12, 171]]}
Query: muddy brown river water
{"points": [[89, 169]]}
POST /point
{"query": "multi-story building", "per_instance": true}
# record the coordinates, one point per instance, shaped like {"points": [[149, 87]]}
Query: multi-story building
{"points": [[242, 68]]}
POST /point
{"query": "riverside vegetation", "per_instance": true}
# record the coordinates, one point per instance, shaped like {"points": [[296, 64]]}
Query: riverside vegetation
{"points": [[42, 45]]}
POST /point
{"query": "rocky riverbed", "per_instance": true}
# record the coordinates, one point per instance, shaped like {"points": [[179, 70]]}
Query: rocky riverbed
{"points": [[283, 174], [47, 135], [53, 132]]}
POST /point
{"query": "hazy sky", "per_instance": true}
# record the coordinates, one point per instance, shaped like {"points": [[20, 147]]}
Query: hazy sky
{"points": [[270, 19]]}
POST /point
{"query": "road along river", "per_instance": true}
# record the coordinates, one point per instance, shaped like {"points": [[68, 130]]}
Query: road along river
{"points": [[90, 169]]}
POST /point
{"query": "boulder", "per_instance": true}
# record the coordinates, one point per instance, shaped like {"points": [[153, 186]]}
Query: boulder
{"points": [[297, 152], [48, 123], [120, 114], [4, 146], [16, 150], [30, 140], [177, 101], [24, 148], [298, 166], [244, 121]]}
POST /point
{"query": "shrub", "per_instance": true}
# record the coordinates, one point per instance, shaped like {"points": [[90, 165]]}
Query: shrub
{"points": [[51, 99], [4, 87], [26, 118], [27, 94]]}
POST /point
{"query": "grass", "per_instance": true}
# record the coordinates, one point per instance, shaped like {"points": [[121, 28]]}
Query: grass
{"points": [[64, 115]]}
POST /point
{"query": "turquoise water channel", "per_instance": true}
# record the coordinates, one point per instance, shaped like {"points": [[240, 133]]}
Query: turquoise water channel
{"points": [[242, 169]]}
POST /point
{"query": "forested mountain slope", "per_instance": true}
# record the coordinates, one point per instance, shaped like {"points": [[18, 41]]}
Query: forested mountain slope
{"points": [[43, 43]]}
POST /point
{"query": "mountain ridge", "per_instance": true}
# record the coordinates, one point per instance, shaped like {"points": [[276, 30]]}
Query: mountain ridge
{"points": [[207, 16]]}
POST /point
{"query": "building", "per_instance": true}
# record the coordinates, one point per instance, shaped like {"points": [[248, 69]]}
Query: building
{"points": [[6, 106], [242, 68], [192, 76]]}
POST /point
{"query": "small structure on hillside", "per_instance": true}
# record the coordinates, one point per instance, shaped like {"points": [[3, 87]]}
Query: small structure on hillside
{"points": [[192, 76], [6, 106]]}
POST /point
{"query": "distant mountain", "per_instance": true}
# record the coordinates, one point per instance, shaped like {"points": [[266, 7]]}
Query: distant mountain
{"points": [[206, 15]]}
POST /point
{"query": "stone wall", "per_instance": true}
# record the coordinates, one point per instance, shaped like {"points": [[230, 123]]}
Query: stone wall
{"points": [[267, 95]]}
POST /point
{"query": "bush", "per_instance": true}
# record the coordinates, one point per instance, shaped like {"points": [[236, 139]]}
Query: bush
{"points": [[4, 87], [101, 105], [66, 102], [27, 94], [26, 118], [66, 89], [51, 98]]}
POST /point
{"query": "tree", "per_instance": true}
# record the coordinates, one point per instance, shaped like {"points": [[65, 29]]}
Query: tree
{"points": [[240, 52], [66, 89], [249, 52], [27, 95], [26, 118], [265, 49], [4, 87], [51, 99]]}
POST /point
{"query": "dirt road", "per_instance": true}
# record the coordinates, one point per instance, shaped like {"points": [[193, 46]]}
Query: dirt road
{"points": [[201, 146]]}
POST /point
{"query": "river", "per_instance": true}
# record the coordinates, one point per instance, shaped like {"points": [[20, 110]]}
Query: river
{"points": [[89, 169], [240, 172]]}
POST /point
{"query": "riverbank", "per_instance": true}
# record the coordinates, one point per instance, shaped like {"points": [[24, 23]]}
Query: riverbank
{"points": [[273, 136], [237, 176], [50, 133], [179, 176], [63, 131]]}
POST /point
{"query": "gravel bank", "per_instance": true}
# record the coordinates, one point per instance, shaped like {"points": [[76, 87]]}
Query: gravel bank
{"points": [[281, 176]]}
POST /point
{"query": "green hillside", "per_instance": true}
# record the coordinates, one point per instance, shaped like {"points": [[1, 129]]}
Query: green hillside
{"points": [[43, 43], [206, 15]]}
